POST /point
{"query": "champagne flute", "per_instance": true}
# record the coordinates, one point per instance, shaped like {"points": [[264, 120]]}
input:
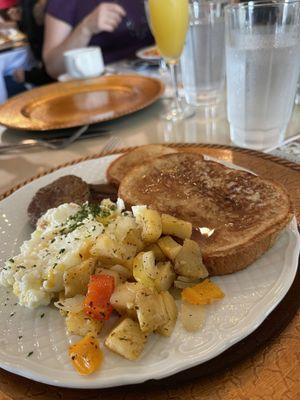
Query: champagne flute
{"points": [[169, 22]]}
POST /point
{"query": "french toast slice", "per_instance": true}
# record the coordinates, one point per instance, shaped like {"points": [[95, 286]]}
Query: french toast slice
{"points": [[236, 215], [118, 168]]}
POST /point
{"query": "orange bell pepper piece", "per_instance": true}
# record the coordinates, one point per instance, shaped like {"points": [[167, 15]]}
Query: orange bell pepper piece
{"points": [[97, 300], [203, 293], [86, 355]]}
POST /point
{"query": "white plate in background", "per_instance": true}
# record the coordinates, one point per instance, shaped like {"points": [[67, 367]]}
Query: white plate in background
{"points": [[145, 54]]}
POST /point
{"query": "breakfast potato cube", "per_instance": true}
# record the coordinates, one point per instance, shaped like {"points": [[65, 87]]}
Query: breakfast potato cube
{"points": [[127, 339], [81, 324], [134, 238], [144, 269], [117, 277], [149, 221], [150, 309], [76, 279], [176, 227], [124, 272], [169, 247], [166, 276], [111, 252], [123, 298], [120, 228], [172, 313], [158, 254], [188, 262]]}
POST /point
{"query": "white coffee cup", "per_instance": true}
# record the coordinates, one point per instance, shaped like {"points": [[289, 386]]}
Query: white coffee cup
{"points": [[85, 62]]}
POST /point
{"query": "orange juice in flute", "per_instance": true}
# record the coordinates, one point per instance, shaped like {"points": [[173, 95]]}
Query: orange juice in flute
{"points": [[169, 20]]}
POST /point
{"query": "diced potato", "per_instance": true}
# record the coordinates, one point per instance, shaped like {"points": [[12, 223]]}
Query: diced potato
{"points": [[148, 260], [144, 269], [123, 298], [158, 254], [166, 276], [149, 221], [172, 313], [127, 339], [120, 228], [188, 261], [76, 279], [124, 272], [111, 252], [176, 227], [105, 271], [134, 237], [192, 316], [150, 309], [81, 324], [169, 247]]}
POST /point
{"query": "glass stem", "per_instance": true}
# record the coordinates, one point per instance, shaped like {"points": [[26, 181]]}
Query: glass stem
{"points": [[174, 77]]}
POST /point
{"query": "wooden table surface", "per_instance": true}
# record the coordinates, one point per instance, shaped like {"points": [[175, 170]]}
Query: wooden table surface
{"points": [[272, 373]]}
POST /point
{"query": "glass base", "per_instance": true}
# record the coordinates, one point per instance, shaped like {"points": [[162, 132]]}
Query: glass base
{"points": [[257, 139], [178, 114], [208, 98]]}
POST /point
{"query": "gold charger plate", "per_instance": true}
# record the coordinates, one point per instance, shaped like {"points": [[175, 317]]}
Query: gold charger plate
{"points": [[80, 102]]}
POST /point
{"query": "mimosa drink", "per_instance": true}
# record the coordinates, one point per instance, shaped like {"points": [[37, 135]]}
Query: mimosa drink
{"points": [[169, 22]]}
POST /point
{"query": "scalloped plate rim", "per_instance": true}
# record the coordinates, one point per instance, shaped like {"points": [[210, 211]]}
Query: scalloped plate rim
{"points": [[18, 367]]}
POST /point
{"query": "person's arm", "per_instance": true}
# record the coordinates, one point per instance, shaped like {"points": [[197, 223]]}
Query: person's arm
{"points": [[59, 36]]}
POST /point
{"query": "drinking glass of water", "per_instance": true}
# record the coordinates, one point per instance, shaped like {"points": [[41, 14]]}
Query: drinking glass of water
{"points": [[262, 65], [203, 58]]}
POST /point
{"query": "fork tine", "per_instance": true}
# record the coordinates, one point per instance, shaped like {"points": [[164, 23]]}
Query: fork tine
{"points": [[111, 144]]}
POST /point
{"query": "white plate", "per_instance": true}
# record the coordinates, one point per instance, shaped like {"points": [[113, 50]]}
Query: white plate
{"points": [[250, 295], [142, 54]]}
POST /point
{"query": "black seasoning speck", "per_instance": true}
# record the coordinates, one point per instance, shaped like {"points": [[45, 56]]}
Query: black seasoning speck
{"points": [[42, 315], [12, 314], [20, 337], [29, 354]]}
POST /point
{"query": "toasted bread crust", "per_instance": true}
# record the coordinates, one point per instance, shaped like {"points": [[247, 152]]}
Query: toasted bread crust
{"points": [[245, 212], [243, 256], [119, 167]]}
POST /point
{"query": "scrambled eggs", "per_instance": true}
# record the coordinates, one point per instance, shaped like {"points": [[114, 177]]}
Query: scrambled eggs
{"points": [[61, 241]]}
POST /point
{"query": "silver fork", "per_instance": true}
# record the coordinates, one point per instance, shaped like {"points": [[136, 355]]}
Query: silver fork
{"points": [[112, 143], [65, 142], [49, 144]]}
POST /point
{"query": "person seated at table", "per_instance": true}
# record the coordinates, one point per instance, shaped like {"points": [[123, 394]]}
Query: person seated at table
{"points": [[9, 14], [120, 29], [32, 24]]}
